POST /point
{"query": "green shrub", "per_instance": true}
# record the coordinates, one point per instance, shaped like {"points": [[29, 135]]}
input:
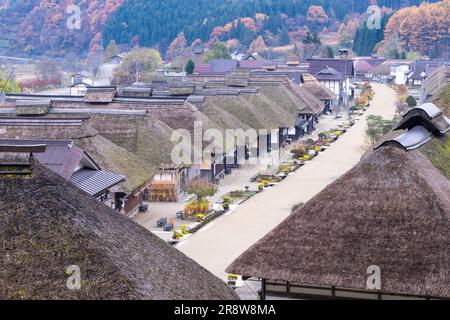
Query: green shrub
{"points": [[411, 101]]}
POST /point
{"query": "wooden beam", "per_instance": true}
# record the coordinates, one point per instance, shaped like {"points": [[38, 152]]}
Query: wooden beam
{"points": [[23, 148]]}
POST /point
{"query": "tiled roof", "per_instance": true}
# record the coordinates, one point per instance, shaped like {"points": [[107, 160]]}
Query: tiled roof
{"points": [[428, 67], [59, 156], [202, 68], [95, 182], [329, 74], [342, 66], [223, 65], [363, 66]]}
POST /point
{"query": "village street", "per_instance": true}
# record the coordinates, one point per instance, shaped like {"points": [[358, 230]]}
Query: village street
{"points": [[219, 243], [237, 180]]}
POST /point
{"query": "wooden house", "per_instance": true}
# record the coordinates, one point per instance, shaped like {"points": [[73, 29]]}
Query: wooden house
{"points": [[62, 234]]}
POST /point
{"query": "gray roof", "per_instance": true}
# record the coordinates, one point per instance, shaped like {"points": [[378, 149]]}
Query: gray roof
{"points": [[431, 109], [423, 66], [223, 65], [410, 140], [60, 156], [342, 66], [94, 182], [329, 74], [428, 115]]}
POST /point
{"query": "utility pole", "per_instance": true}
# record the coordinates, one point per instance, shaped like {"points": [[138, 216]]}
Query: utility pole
{"points": [[12, 78], [343, 54], [137, 71]]}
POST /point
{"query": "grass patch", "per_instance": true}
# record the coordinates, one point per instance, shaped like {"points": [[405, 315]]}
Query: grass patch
{"points": [[438, 152]]}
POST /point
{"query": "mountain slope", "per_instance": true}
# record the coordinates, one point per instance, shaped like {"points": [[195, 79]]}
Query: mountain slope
{"points": [[159, 22], [31, 27]]}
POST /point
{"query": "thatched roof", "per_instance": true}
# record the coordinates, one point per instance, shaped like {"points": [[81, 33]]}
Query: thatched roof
{"points": [[391, 210], [49, 225], [442, 99], [317, 89], [271, 108], [32, 107], [312, 104], [100, 94], [105, 153], [435, 82]]}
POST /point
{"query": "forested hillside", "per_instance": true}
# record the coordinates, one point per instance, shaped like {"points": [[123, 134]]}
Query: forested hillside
{"points": [[32, 27], [158, 22]]}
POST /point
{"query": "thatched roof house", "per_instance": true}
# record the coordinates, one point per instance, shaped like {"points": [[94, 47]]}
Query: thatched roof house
{"points": [[107, 154], [392, 211], [49, 225], [32, 108], [435, 82], [100, 94], [317, 89]]}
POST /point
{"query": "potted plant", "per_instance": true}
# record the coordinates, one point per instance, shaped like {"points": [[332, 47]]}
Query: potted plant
{"points": [[184, 229]]}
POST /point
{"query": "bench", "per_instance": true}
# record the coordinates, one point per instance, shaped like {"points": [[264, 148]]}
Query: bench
{"points": [[168, 227], [161, 222]]}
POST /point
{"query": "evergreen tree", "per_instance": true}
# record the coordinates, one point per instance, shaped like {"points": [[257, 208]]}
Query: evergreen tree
{"points": [[411, 101], [190, 67], [284, 37], [330, 52]]}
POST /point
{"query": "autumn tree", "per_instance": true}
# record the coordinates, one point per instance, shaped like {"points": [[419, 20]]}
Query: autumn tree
{"points": [[258, 45], [138, 65], [48, 71], [111, 50], [316, 16], [421, 29], [201, 188], [177, 47]]}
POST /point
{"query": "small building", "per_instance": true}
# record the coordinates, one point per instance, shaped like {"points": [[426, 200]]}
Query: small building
{"points": [[118, 59], [380, 232], [171, 182], [335, 74], [80, 88], [79, 77], [329, 98], [399, 73], [74, 165], [216, 66], [365, 65], [421, 70], [54, 233]]}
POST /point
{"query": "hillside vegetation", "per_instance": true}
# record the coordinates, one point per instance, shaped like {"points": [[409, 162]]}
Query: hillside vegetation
{"points": [[32, 27]]}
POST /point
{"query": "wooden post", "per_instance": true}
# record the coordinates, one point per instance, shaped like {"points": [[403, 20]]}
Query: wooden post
{"points": [[263, 289]]}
